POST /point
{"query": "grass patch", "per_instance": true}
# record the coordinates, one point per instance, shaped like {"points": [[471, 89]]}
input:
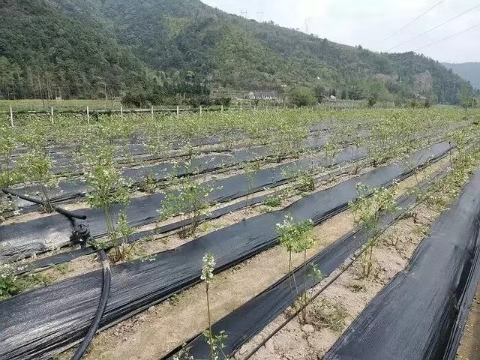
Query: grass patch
{"points": [[272, 202], [329, 315], [11, 284]]}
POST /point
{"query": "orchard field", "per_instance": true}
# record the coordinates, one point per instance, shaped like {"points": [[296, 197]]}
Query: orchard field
{"points": [[258, 234]]}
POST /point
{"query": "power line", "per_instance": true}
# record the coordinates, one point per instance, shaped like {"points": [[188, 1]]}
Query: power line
{"points": [[434, 28], [418, 17], [448, 37]]}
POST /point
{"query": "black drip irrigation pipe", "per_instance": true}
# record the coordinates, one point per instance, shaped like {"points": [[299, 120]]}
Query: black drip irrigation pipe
{"points": [[61, 211], [37, 325], [107, 278]]}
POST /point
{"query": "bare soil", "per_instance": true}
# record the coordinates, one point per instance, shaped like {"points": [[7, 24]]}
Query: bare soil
{"points": [[163, 327], [331, 313], [151, 335], [469, 348]]}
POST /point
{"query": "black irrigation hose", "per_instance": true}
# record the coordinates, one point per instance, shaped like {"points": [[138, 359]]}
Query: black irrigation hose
{"points": [[66, 213], [107, 278]]}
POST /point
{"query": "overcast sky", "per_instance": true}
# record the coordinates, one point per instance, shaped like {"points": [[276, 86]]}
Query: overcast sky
{"points": [[370, 22]]}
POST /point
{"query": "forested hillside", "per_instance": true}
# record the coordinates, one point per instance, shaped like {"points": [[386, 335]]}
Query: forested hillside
{"points": [[44, 54], [168, 48], [468, 71]]}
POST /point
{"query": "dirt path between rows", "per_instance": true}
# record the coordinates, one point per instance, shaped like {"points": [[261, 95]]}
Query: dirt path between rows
{"points": [[469, 348], [152, 334], [333, 311]]}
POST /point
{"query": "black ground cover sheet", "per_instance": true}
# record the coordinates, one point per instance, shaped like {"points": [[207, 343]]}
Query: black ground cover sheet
{"points": [[75, 188], [252, 317], [39, 323], [421, 312], [63, 160], [40, 235], [63, 257]]}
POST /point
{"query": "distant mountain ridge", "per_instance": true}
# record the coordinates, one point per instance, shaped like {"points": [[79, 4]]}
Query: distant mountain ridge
{"points": [[469, 71], [80, 49]]}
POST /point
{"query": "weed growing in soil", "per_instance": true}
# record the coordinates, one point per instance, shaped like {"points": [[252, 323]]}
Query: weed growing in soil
{"points": [[357, 287], [272, 202], [12, 284], [329, 315], [183, 354], [63, 268]]}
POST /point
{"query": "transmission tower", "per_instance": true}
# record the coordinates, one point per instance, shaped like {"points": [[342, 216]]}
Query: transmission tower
{"points": [[307, 24]]}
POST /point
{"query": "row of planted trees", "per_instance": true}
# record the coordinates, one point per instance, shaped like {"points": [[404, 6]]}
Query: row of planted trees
{"points": [[95, 148], [384, 135], [297, 237]]}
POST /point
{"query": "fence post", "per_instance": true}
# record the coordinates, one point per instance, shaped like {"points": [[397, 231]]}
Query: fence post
{"points": [[11, 117], [222, 107], [51, 114], [88, 115], [151, 109], [121, 111], [200, 110], [178, 111]]}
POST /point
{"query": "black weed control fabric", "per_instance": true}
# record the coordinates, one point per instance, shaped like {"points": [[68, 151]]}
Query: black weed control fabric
{"points": [[75, 188], [38, 324], [416, 316], [36, 236], [252, 317], [49, 261]]}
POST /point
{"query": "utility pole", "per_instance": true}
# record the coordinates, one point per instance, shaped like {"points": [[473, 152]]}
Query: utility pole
{"points": [[11, 116], [260, 17], [244, 13]]}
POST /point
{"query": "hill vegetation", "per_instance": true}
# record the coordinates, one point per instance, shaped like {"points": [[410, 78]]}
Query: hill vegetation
{"points": [[468, 71], [169, 50]]}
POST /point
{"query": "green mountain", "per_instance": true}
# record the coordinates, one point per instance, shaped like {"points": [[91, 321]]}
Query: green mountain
{"points": [[168, 48], [468, 71]]}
